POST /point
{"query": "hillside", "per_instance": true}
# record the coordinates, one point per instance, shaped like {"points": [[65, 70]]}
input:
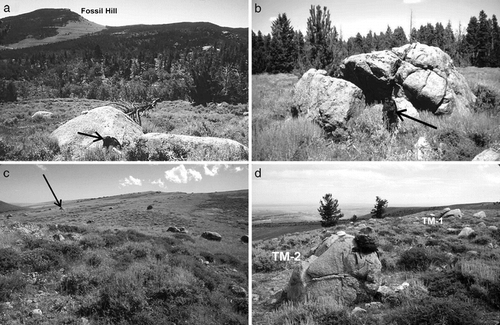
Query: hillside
{"points": [[113, 260], [8, 207], [446, 277], [45, 26]]}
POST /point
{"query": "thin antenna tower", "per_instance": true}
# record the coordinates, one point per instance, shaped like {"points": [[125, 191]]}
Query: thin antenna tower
{"points": [[411, 24]]}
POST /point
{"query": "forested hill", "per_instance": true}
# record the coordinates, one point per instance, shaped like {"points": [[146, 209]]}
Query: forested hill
{"points": [[200, 62], [45, 23]]}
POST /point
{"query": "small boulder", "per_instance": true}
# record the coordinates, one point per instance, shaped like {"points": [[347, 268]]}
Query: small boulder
{"points": [[36, 312], [480, 215], [481, 224], [244, 239], [42, 115], [453, 213], [494, 228], [238, 291], [8, 216], [150, 207], [466, 232], [358, 310], [183, 230], [173, 229], [211, 235], [58, 237], [487, 155]]}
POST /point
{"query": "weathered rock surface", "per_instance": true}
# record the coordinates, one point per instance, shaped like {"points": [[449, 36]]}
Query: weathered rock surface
{"points": [[423, 75], [106, 120], [180, 146], [211, 235], [173, 229], [494, 228], [487, 155], [452, 213], [335, 271], [326, 100]]}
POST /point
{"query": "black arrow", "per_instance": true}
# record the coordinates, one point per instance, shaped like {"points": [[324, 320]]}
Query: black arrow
{"points": [[401, 114], [97, 138], [58, 202]]}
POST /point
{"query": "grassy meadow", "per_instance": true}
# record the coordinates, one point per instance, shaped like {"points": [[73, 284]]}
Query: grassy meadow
{"points": [[117, 264], [25, 138], [278, 137], [451, 280]]}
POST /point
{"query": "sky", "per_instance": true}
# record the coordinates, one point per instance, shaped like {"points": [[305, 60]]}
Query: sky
{"points": [[26, 184], [401, 183], [226, 13], [355, 16]]}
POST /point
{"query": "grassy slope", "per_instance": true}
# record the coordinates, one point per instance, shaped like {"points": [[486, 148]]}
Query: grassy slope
{"points": [[154, 276], [27, 139], [395, 236], [277, 137], [4, 207]]}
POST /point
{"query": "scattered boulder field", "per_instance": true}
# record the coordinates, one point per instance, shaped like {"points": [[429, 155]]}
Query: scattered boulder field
{"points": [[369, 265]]}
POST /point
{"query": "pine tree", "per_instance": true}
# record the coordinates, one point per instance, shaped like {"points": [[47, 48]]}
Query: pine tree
{"points": [[495, 42], [471, 39], [368, 44], [283, 53], [483, 40], [329, 211], [399, 37], [379, 208], [318, 35], [449, 40]]}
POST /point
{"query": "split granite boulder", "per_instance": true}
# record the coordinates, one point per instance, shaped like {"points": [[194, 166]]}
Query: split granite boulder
{"points": [[423, 75], [338, 270]]}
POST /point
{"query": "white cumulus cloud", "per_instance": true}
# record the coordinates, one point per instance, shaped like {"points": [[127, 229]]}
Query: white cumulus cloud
{"points": [[211, 171], [159, 182], [129, 181], [42, 167], [181, 175]]}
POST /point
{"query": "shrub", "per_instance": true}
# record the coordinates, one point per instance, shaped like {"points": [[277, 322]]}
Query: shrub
{"points": [[481, 240], [11, 283], [430, 311], [184, 237], [40, 260], [414, 259], [78, 282], [444, 284], [227, 259], [9, 260], [92, 241], [262, 261]]}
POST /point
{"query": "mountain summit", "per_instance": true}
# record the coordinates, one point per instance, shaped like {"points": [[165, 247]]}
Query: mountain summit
{"points": [[45, 26]]}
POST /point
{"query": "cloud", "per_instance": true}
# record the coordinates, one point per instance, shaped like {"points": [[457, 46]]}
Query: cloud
{"points": [[271, 19], [211, 171], [42, 167], [160, 183], [181, 175], [412, 1], [129, 181]]}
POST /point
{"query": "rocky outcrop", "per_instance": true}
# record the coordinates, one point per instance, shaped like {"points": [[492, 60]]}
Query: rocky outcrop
{"points": [[423, 75], [480, 215], [178, 147], [106, 120], [336, 270], [121, 132], [211, 235], [328, 101]]}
